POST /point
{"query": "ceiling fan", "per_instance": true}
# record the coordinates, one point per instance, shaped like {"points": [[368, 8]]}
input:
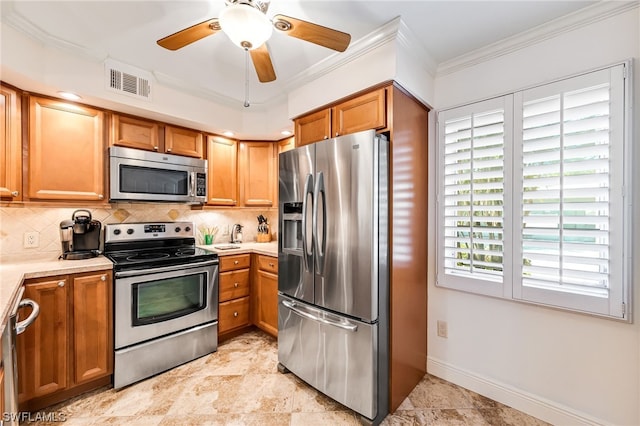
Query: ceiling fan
{"points": [[247, 25]]}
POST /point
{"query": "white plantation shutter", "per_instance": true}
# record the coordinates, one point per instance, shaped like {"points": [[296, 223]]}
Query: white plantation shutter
{"points": [[472, 195], [532, 200], [569, 170]]}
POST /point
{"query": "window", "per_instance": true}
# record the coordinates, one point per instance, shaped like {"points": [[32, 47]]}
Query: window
{"points": [[532, 197]]}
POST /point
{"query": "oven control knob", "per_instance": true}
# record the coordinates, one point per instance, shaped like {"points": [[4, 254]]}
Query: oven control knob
{"points": [[187, 229], [178, 229], [130, 231], [117, 231]]}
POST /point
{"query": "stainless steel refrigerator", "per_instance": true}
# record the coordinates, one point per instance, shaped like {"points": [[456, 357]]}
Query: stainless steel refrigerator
{"points": [[333, 271]]}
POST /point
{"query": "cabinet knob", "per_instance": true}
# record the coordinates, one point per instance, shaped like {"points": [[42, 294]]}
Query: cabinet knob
{"points": [[101, 197], [235, 285], [15, 193], [60, 283], [326, 137], [271, 264], [168, 149], [337, 134], [235, 314], [103, 278], [235, 262], [155, 148]]}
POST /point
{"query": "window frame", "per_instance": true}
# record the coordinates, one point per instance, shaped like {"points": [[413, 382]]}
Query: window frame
{"points": [[616, 304]]}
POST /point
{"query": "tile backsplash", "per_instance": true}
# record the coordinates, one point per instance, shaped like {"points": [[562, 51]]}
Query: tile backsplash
{"points": [[15, 221]]}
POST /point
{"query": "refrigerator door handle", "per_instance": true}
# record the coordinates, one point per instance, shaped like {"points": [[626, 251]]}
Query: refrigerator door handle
{"points": [[343, 325], [308, 189], [320, 240]]}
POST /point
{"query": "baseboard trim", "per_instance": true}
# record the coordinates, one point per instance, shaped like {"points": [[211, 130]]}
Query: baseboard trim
{"points": [[531, 404]]}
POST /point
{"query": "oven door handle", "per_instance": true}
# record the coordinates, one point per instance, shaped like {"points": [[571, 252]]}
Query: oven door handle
{"points": [[133, 273]]}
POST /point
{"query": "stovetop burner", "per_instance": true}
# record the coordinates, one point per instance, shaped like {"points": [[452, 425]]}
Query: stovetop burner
{"points": [[147, 256], [151, 245]]}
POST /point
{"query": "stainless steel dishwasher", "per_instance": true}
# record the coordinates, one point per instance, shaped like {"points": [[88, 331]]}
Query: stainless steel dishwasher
{"points": [[12, 328]]}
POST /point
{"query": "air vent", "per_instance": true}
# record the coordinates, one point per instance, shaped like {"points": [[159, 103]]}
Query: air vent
{"points": [[127, 80]]}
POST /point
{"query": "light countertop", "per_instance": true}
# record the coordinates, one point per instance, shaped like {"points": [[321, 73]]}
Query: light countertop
{"points": [[13, 274], [269, 249]]}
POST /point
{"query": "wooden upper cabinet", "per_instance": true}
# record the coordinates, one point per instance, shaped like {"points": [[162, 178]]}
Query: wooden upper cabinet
{"points": [[222, 173], [66, 151], [134, 133], [363, 112], [10, 145], [313, 127], [286, 144], [182, 141], [257, 174]]}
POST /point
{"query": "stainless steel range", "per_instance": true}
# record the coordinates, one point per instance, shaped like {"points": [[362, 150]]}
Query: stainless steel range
{"points": [[166, 298]]}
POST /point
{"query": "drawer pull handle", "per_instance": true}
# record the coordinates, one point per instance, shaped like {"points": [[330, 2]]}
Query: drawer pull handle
{"points": [[271, 264], [235, 285], [235, 314], [235, 262]]}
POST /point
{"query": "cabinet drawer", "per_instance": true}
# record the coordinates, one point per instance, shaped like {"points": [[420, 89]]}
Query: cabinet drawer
{"points": [[233, 284], [268, 263], [233, 314], [229, 263]]}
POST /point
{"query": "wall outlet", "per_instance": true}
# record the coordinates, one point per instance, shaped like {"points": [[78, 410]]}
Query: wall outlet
{"points": [[225, 229], [31, 239], [442, 329]]}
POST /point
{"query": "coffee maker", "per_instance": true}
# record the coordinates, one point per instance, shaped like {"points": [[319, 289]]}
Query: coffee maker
{"points": [[80, 236]]}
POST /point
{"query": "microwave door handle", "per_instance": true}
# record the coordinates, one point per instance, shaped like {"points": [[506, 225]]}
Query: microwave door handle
{"points": [[192, 182]]}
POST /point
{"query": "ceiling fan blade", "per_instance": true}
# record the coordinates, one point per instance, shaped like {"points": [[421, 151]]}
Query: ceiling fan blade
{"points": [[262, 63], [187, 36], [314, 33]]}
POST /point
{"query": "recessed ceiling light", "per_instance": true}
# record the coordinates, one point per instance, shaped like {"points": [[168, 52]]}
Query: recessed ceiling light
{"points": [[69, 96], [228, 133], [286, 132]]}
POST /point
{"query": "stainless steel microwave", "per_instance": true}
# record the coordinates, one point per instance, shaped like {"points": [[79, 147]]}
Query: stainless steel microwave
{"points": [[137, 175]]}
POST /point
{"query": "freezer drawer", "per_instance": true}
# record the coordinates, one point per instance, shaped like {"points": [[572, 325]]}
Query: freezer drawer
{"points": [[336, 355]]}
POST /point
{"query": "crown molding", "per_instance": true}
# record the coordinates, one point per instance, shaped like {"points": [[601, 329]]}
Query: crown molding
{"points": [[584, 17], [386, 33], [19, 23]]}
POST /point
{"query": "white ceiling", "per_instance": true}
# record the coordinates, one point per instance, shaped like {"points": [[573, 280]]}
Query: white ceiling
{"points": [[127, 32]]}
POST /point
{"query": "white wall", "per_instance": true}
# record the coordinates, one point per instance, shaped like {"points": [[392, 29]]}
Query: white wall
{"points": [[563, 367], [32, 66]]}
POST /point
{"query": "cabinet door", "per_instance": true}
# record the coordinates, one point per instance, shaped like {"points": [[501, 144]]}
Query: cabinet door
{"points": [[181, 141], [267, 302], [10, 149], [222, 155], [313, 127], [43, 348], [257, 174], [286, 144], [66, 151], [134, 133], [364, 112], [92, 326]]}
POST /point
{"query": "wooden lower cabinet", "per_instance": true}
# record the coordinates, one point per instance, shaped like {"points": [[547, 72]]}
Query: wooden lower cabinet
{"points": [[265, 291], [233, 295], [69, 348]]}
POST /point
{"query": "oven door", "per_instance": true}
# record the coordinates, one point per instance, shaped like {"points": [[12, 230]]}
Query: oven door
{"points": [[155, 302]]}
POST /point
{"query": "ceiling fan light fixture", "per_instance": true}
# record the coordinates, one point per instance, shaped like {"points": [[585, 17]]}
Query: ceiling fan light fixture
{"points": [[247, 27]]}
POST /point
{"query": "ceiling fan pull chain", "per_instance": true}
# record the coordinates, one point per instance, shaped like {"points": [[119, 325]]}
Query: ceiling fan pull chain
{"points": [[246, 78]]}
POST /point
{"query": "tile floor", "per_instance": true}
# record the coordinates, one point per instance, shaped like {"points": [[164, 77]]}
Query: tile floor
{"points": [[240, 385]]}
